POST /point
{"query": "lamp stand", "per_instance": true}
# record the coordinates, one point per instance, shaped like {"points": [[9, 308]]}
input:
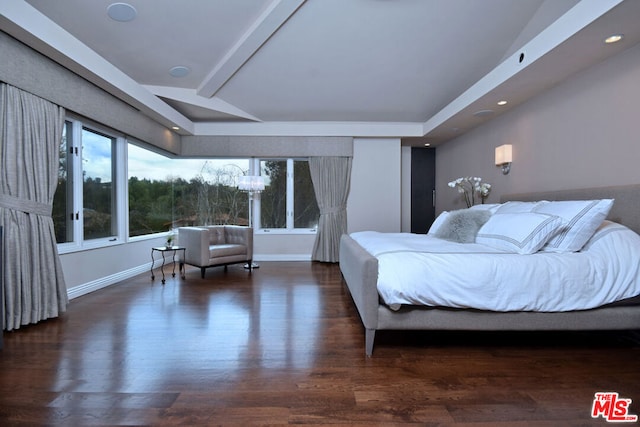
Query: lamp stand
{"points": [[253, 264], [251, 184]]}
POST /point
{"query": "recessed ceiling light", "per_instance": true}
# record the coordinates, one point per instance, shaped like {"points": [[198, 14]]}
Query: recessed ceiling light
{"points": [[179, 71], [614, 38], [503, 102], [122, 12], [427, 145], [175, 128]]}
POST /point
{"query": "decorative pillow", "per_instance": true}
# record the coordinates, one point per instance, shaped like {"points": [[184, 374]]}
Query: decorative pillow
{"points": [[522, 233], [514, 207], [438, 222], [462, 225], [580, 219]]}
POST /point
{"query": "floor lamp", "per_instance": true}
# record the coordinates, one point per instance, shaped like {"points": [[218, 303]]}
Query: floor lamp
{"points": [[251, 184]]}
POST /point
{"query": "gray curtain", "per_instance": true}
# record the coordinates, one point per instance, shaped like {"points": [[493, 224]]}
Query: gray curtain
{"points": [[331, 178], [30, 135]]}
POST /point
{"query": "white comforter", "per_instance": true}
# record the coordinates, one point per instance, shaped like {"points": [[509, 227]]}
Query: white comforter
{"points": [[420, 269]]}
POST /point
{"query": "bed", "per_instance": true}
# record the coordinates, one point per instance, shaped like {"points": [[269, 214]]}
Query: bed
{"points": [[360, 272]]}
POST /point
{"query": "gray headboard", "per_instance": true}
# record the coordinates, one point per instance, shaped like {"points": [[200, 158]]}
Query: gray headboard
{"points": [[625, 210]]}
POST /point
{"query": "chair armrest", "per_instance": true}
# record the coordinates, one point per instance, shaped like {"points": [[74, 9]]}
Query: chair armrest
{"points": [[196, 242]]}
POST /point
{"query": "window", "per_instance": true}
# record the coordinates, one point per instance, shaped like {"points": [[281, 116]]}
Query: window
{"points": [[99, 218], [288, 201], [86, 208], [151, 191], [273, 200], [166, 193], [110, 190], [305, 207]]}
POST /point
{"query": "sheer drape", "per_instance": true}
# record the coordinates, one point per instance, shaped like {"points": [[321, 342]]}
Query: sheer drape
{"points": [[331, 178], [30, 133]]}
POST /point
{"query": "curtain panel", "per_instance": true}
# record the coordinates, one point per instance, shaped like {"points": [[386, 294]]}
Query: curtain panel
{"points": [[331, 178], [30, 134]]}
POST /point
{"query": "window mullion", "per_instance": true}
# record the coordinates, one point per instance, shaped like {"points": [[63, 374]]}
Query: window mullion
{"points": [[290, 193], [78, 219], [254, 169], [121, 186]]}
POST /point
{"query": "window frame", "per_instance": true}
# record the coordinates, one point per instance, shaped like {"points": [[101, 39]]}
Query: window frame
{"points": [[118, 166], [290, 189]]}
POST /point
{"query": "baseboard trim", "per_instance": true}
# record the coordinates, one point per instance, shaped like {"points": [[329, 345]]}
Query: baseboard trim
{"points": [[286, 257], [103, 282]]}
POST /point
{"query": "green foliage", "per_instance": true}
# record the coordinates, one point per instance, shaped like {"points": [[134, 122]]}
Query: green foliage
{"points": [[273, 199], [97, 206], [157, 205], [273, 202]]}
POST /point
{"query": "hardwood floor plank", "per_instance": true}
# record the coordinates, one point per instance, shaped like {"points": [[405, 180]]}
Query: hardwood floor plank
{"points": [[284, 345]]}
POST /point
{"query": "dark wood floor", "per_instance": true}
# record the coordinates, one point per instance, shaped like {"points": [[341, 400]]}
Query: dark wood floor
{"points": [[285, 346]]}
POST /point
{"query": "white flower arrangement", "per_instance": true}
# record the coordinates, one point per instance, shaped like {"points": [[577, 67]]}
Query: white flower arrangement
{"points": [[469, 186]]}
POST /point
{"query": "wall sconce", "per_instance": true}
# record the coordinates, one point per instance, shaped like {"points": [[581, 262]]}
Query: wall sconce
{"points": [[503, 158]]}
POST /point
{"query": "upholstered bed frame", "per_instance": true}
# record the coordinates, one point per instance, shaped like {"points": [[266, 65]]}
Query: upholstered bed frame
{"points": [[360, 272]]}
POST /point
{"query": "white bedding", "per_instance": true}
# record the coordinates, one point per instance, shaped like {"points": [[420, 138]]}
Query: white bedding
{"points": [[418, 269]]}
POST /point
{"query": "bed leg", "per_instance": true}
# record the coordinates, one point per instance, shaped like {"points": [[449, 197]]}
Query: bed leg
{"points": [[369, 336]]}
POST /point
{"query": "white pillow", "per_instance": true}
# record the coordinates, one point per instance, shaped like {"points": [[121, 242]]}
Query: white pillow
{"points": [[580, 219], [514, 207], [522, 232], [438, 222]]}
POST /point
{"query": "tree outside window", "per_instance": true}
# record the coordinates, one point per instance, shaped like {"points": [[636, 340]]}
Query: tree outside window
{"points": [[168, 193], [288, 201]]}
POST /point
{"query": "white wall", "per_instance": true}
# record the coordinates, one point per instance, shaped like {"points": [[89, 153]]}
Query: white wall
{"points": [[283, 247], [582, 133], [375, 198], [89, 270]]}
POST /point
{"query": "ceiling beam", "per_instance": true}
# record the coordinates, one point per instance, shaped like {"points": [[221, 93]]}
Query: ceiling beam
{"points": [[355, 129], [190, 96], [278, 12]]}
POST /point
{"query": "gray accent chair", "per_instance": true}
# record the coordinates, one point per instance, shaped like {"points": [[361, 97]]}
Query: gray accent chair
{"points": [[216, 245]]}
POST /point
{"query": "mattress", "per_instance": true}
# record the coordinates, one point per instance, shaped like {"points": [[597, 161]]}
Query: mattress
{"points": [[417, 269]]}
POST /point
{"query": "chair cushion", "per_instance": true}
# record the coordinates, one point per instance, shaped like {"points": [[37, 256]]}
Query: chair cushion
{"points": [[216, 235], [218, 251]]}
